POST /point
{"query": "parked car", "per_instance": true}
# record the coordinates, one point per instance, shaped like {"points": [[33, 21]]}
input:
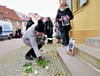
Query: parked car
{"points": [[7, 30]]}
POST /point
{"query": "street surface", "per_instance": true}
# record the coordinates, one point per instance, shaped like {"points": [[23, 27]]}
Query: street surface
{"points": [[7, 46], [11, 63]]}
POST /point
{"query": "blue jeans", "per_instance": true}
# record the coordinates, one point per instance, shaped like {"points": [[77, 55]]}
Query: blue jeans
{"points": [[64, 38]]}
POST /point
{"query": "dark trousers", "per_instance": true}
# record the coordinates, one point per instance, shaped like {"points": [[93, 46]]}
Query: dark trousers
{"points": [[32, 53], [65, 37], [49, 36], [19, 34], [1, 35]]}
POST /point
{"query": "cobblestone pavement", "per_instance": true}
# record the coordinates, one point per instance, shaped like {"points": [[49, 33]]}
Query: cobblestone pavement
{"points": [[11, 65]]}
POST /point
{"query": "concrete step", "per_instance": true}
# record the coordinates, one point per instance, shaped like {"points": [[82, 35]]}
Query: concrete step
{"points": [[90, 54], [74, 66], [94, 42]]}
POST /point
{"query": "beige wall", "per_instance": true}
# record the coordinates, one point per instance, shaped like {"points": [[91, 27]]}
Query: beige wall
{"points": [[24, 25], [14, 23], [86, 22]]}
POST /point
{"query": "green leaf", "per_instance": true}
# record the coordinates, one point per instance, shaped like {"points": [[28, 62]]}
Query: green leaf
{"points": [[48, 61], [27, 64], [44, 66], [43, 62], [28, 70]]}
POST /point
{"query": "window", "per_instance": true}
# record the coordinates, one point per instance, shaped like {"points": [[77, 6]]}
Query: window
{"points": [[8, 20], [78, 4], [69, 2], [82, 2], [6, 12], [17, 23]]}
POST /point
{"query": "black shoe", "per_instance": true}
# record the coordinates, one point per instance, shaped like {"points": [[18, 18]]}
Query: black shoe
{"points": [[28, 58], [34, 56]]}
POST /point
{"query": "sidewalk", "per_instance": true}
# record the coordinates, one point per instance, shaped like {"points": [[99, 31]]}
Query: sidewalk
{"points": [[11, 65]]}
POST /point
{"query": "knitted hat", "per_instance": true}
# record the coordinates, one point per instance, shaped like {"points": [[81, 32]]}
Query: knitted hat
{"points": [[40, 26]]}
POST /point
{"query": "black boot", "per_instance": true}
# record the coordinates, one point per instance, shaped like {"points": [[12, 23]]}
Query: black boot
{"points": [[33, 53], [49, 41], [28, 54], [28, 57]]}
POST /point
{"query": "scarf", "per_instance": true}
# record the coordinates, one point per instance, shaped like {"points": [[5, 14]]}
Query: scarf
{"points": [[63, 8]]}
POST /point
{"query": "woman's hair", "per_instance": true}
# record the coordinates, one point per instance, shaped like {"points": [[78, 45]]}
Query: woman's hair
{"points": [[63, 4]]}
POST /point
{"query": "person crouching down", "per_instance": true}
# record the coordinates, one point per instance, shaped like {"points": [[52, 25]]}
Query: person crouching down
{"points": [[34, 38]]}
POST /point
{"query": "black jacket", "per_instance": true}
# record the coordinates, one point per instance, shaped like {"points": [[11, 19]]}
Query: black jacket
{"points": [[63, 13], [0, 29], [48, 27], [29, 23]]}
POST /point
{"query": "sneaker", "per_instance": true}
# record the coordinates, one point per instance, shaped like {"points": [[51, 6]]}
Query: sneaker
{"points": [[28, 58]]}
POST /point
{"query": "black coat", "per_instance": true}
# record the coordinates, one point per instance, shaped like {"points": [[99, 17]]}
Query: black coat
{"points": [[29, 23], [0, 29], [63, 13], [48, 27]]}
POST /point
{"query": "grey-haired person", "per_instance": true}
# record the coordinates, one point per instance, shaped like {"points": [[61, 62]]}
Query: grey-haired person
{"points": [[33, 37]]}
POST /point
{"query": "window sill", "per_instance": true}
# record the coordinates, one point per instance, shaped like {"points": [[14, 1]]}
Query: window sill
{"points": [[78, 11]]}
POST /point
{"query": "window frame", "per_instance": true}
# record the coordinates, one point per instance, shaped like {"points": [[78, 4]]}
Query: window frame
{"points": [[70, 6]]}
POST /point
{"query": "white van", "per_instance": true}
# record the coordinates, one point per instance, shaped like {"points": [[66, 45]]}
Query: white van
{"points": [[7, 29]]}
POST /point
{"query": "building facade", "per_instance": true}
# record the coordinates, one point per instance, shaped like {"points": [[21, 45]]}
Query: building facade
{"points": [[7, 14], [1, 16], [35, 17], [86, 19], [23, 18]]}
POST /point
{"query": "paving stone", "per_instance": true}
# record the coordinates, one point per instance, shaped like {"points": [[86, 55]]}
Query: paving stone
{"points": [[11, 65]]}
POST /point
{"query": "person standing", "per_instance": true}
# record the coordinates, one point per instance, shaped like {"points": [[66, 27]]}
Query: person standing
{"points": [[16, 32], [1, 32], [58, 35], [29, 23], [64, 15], [19, 33], [41, 20], [33, 37], [49, 29]]}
